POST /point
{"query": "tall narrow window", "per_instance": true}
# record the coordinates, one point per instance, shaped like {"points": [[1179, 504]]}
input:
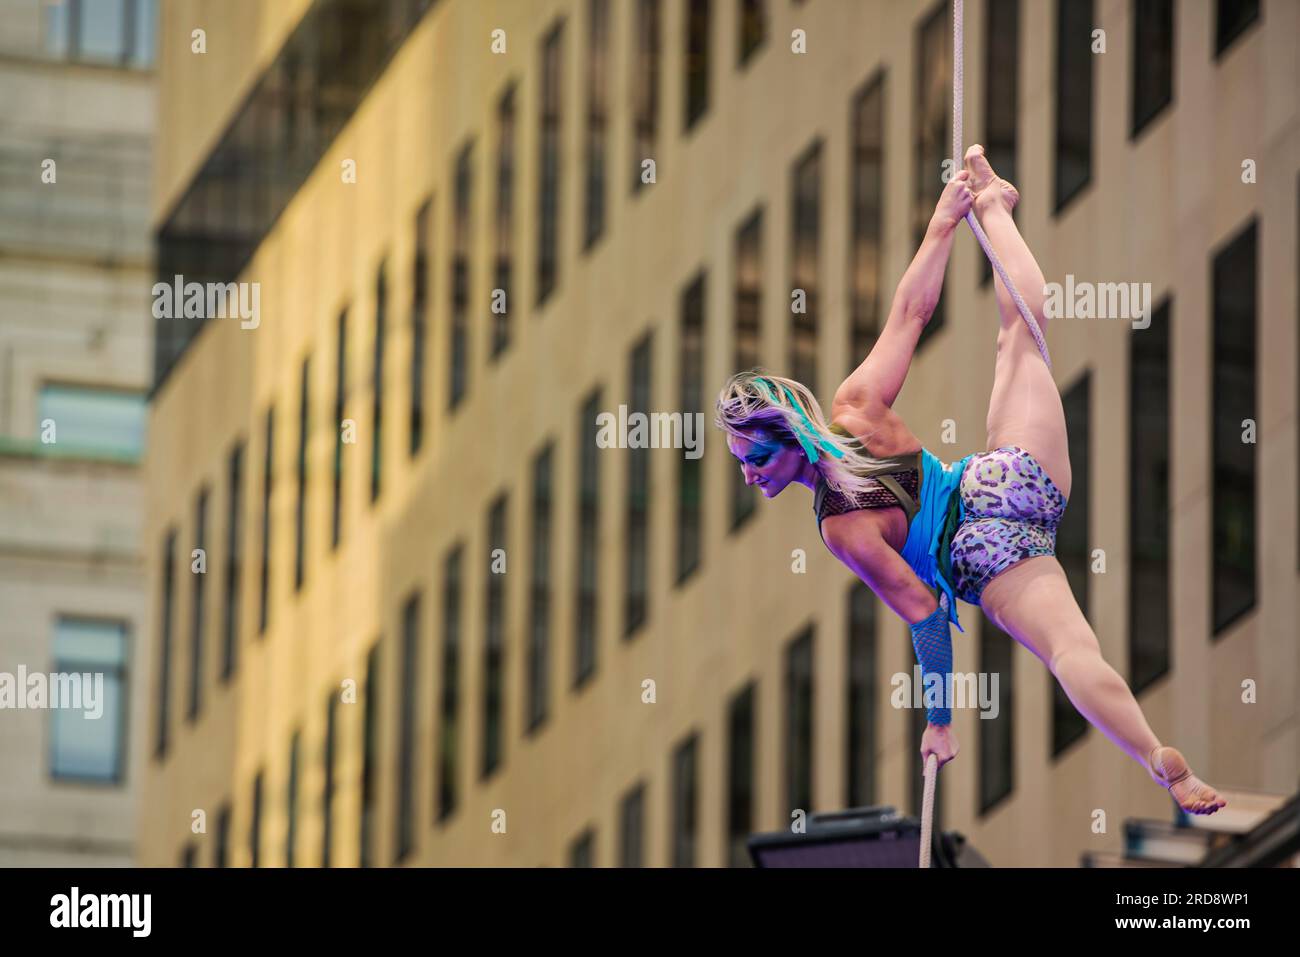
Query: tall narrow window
{"points": [[419, 309], [377, 386], [494, 638], [1153, 60], [460, 274], [636, 558], [268, 474], [327, 794], [805, 243], [996, 734], [588, 570], [255, 824], [198, 608], [505, 233], [370, 758], [753, 29], [548, 165], [83, 746], [631, 818], [448, 755], [234, 559], [163, 714], [747, 321], [406, 728], [1074, 26], [696, 60], [1150, 472], [1231, 19], [799, 723], [917, 723], [340, 399], [221, 846], [740, 776], [539, 612], [861, 731], [291, 802], [1235, 429], [645, 91], [597, 117], [690, 476], [868, 179], [1001, 94], [1072, 549], [932, 112], [300, 510], [685, 809], [582, 853]]}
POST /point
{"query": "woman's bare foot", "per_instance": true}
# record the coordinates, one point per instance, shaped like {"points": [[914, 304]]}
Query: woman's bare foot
{"points": [[982, 177], [1170, 770]]}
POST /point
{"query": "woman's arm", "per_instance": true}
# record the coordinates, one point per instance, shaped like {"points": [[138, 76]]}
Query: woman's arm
{"points": [[879, 379]]}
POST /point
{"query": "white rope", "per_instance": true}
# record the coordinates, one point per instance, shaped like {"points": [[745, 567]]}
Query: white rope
{"points": [[927, 805], [1025, 314]]}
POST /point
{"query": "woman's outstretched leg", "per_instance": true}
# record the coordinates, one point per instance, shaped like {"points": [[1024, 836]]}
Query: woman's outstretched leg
{"points": [[1033, 603], [1025, 406]]}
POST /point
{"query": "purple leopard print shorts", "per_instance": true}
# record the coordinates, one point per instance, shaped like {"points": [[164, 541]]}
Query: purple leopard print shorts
{"points": [[1012, 510]]}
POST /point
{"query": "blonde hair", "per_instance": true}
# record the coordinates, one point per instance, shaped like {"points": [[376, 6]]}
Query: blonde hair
{"points": [[745, 406]]}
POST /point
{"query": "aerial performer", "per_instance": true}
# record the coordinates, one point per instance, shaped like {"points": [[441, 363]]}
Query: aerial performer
{"points": [[922, 534]]}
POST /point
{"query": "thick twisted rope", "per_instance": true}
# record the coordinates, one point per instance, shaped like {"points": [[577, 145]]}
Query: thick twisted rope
{"points": [[927, 807], [1028, 316]]}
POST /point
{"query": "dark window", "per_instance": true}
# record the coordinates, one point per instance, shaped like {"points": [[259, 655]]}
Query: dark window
{"points": [[408, 707], [340, 398], [632, 828], [448, 756], [1001, 95], [690, 476], [1153, 60], [548, 165], [805, 242], [582, 852], [753, 29], [377, 387], [740, 776], [197, 607], [636, 565], [685, 810], [799, 724], [861, 732], [163, 716], [698, 29], [597, 117], [747, 322], [1231, 20], [865, 250], [1150, 468], [1235, 460], [419, 307], [116, 32], [1072, 546], [370, 758], [932, 110], [505, 232], [996, 735], [1074, 26], [588, 570], [268, 472], [291, 801], [539, 612], [255, 824], [327, 793], [300, 511], [221, 846], [495, 637], [83, 748], [645, 88], [461, 265], [190, 855], [234, 559]]}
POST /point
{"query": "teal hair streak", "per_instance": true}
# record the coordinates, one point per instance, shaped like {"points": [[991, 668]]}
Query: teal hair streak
{"points": [[806, 433]]}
